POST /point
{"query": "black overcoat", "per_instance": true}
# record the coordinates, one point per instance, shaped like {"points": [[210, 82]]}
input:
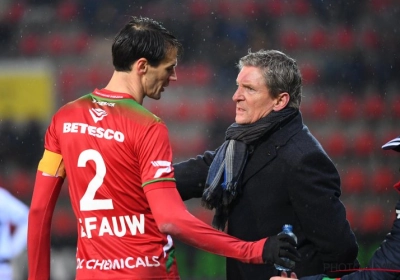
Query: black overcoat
{"points": [[288, 179]]}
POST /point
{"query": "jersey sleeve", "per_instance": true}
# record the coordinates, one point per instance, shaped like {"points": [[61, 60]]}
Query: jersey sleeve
{"points": [[172, 218], [155, 156]]}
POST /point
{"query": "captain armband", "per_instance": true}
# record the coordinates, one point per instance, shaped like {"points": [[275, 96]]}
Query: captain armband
{"points": [[52, 164]]}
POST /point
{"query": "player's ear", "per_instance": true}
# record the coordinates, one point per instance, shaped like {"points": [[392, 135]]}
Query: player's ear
{"points": [[141, 66]]}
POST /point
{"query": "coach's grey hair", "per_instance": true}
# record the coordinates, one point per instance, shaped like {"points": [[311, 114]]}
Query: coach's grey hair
{"points": [[280, 72]]}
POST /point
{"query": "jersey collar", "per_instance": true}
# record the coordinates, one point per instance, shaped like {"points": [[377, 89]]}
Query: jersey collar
{"points": [[111, 94]]}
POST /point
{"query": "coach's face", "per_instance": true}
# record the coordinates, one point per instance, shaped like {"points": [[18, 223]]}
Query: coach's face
{"points": [[252, 97]]}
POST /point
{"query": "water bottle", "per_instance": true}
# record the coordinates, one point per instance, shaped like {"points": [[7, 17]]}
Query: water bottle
{"points": [[287, 229]]}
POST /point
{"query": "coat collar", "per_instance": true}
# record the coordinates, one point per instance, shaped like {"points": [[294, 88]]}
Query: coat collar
{"points": [[266, 150]]}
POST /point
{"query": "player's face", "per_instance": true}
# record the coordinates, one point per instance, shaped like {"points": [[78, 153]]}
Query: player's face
{"points": [[252, 97], [158, 78]]}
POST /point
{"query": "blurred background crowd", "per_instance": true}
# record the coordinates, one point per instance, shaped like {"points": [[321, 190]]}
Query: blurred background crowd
{"points": [[53, 51]]}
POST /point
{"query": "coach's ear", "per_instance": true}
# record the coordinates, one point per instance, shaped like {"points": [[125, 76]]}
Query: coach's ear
{"points": [[281, 101]]}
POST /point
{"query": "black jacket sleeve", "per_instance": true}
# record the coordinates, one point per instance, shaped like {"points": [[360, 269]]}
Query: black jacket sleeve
{"points": [[314, 187], [191, 175]]}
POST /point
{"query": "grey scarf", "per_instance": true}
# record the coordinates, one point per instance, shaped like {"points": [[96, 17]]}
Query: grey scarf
{"points": [[226, 169]]}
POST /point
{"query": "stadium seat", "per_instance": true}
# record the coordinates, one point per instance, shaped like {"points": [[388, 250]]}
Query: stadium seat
{"points": [[309, 73], [68, 81], [67, 10], [275, 8], [395, 106], [373, 107], [250, 8], [301, 7], [318, 39], [29, 44], [336, 144], [354, 179], [351, 216], [382, 180], [319, 108], [80, 43], [364, 144], [56, 44], [22, 184], [290, 40], [15, 12], [199, 8], [202, 74], [64, 222], [372, 219], [377, 6], [347, 107], [370, 39], [344, 39]]}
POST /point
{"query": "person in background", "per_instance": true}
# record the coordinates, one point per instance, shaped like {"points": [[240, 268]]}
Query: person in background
{"points": [[117, 157], [13, 229], [385, 262], [271, 171]]}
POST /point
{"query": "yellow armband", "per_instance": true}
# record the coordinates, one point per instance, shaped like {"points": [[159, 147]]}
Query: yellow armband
{"points": [[52, 164]]}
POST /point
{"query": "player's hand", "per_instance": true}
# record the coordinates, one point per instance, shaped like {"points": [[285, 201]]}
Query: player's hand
{"points": [[280, 246], [284, 276]]}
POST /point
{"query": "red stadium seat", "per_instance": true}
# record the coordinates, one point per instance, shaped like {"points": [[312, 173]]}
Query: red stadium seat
{"points": [[15, 12], [301, 7], [202, 74], [290, 40], [351, 216], [29, 44], [319, 108], [370, 39], [336, 144], [56, 44], [347, 107], [372, 219], [377, 6], [364, 144], [67, 10], [382, 179], [275, 8], [344, 39], [354, 180], [309, 73], [199, 8], [64, 222], [318, 39], [22, 184], [68, 81], [80, 43], [395, 106], [373, 107]]}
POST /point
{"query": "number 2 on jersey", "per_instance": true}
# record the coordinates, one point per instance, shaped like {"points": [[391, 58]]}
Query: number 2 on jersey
{"points": [[88, 202]]}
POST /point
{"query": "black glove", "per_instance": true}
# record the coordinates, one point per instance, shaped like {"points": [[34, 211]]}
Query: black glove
{"points": [[280, 246]]}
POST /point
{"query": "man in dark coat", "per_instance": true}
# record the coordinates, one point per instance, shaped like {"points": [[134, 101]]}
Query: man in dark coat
{"points": [[271, 171], [385, 263]]}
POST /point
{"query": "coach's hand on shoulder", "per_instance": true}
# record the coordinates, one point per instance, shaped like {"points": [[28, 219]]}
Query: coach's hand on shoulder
{"points": [[281, 246]]}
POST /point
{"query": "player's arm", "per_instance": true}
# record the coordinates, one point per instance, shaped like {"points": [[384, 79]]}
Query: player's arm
{"points": [[172, 218], [49, 178]]}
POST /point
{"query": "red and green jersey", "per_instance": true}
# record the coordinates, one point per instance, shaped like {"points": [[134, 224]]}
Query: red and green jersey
{"points": [[113, 150]]}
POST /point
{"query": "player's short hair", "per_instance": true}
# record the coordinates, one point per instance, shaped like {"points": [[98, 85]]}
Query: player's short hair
{"points": [[280, 72], [142, 37]]}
